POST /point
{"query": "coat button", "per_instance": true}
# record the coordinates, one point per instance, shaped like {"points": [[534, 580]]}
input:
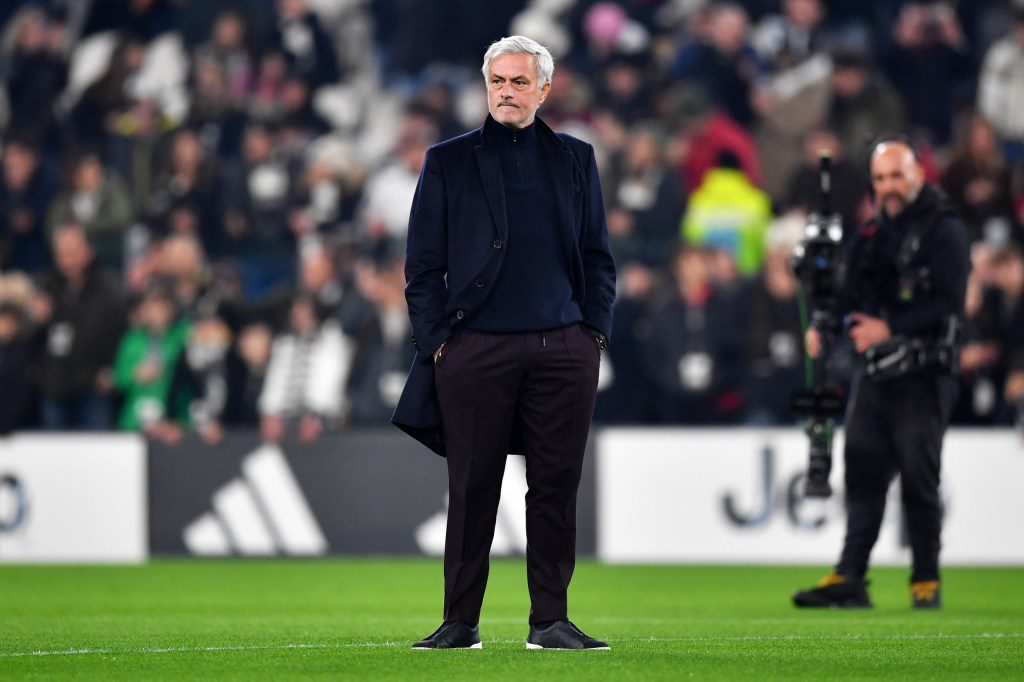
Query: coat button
{"points": [[460, 314], [497, 243], [479, 283]]}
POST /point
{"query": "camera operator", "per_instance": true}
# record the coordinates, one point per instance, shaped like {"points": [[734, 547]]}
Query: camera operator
{"points": [[906, 275]]}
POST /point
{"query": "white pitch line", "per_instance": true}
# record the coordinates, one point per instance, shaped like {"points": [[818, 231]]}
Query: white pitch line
{"points": [[777, 638], [174, 649], [641, 640]]}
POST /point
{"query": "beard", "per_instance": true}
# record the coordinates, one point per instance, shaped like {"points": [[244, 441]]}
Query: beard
{"points": [[894, 204]]}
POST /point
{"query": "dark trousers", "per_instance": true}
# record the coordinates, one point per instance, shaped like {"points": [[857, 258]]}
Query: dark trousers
{"points": [[892, 427], [546, 383]]}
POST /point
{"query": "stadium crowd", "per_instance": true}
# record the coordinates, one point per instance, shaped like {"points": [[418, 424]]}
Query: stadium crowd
{"points": [[203, 206]]}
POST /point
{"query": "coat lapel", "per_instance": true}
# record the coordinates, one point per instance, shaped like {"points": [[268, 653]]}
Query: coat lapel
{"points": [[559, 162], [494, 188]]}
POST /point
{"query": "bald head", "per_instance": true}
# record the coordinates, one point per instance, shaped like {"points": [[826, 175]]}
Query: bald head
{"points": [[896, 176]]}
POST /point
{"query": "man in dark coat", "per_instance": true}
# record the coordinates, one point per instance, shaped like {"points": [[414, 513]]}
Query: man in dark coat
{"points": [[510, 285], [85, 316]]}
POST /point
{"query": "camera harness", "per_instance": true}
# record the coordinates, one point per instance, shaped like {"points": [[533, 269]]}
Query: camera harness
{"points": [[900, 355]]}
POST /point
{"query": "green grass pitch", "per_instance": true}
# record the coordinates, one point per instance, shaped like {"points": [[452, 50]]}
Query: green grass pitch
{"points": [[357, 618]]}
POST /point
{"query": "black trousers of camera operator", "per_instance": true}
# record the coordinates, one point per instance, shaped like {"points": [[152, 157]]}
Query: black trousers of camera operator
{"points": [[895, 426], [547, 383]]}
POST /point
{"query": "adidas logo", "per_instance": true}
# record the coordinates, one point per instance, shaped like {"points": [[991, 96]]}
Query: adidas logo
{"points": [[261, 513], [509, 527]]}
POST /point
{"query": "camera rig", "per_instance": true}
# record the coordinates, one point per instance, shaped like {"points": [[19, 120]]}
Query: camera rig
{"points": [[817, 263]]}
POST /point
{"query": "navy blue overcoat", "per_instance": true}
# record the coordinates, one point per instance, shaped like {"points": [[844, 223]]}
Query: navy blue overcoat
{"points": [[458, 235]]}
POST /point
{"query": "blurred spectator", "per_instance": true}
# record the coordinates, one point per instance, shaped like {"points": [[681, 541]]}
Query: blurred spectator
{"points": [[437, 100], [774, 343], [927, 62], [863, 105], [15, 364], [228, 46], [34, 73], [1001, 86], [704, 134], [694, 348], [181, 267], [81, 315], [214, 114], [788, 38], [163, 260], [144, 369], [848, 184], [643, 198], [389, 191], [625, 388], [791, 104], [133, 148], [144, 18], [981, 372], [608, 33], [202, 373], [247, 371], [318, 280], [264, 105], [108, 96], [188, 182], [729, 213], [96, 199], [318, 203], [307, 45], [793, 97], [25, 193], [258, 193], [978, 183], [1008, 278], [305, 380], [722, 61], [382, 353], [624, 90], [299, 122]]}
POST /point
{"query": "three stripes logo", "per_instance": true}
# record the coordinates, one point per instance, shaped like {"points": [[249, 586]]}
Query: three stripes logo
{"points": [[261, 513], [509, 527]]}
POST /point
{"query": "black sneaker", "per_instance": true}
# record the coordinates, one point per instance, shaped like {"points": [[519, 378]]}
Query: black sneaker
{"points": [[926, 595], [836, 591], [562, 635], [454, 635]]}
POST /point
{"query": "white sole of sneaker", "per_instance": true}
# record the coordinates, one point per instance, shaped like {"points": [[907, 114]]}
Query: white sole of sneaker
{"points": [[538, 646], [478, 645]]}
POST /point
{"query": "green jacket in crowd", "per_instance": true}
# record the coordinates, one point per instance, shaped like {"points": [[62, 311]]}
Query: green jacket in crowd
{"points": [[147, 403]]}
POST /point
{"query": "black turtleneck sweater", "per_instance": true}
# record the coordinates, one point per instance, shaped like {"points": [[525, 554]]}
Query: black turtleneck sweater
{"points": [[533, 290]]}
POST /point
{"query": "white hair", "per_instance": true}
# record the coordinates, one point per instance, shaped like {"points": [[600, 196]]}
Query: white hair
{"points": [[519, 44]]}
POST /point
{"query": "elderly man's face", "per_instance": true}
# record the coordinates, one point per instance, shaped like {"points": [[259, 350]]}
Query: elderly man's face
{"points": [[896, 177], [513, 95]]}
